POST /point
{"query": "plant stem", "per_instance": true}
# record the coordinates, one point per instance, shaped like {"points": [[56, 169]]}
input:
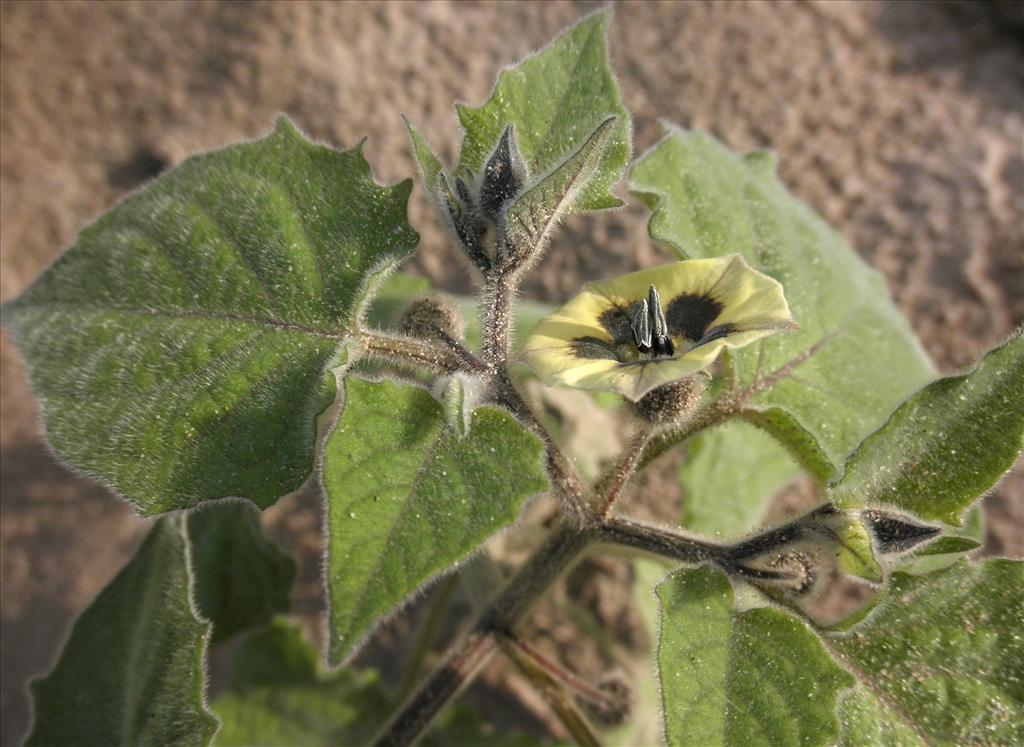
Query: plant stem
{"points": [[447, 681], [474, 650], [728, 405], [616, 480], [565, 480], [554, 557], [554, 694], [409, 350], [566, 677], [496, 317], [438, 607], [662, 541]]}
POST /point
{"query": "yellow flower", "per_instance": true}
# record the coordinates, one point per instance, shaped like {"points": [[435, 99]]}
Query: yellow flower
{"points": [[651, 327]]}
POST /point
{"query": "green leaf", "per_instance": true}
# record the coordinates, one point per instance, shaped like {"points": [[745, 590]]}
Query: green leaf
{"points": [[729, 478], [865, 721], [408, 497], [556, 98], [942, 654], [242, 579], [278, 695], [934, 556], [430, 166], [946, 445], [534, 214], [709, 202], [751, 678], [131, 672], [182, 348]]}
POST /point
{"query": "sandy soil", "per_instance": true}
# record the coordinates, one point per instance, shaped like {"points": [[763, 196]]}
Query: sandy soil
{"points": [[902, 123]]}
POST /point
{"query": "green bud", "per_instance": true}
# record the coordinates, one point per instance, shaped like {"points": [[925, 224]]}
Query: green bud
{"points": [[430, 318]]}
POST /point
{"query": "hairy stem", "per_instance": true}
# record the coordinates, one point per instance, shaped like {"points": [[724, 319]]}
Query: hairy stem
{"points": [[728, 405], [624, 467], [438, 607], [474, 650], [411, 351], [447, 681], [568, 487], [496, 317], [554, 557]]}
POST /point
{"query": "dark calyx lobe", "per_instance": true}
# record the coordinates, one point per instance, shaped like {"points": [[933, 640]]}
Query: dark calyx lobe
{"points": [[894, 533], [504, 175]]}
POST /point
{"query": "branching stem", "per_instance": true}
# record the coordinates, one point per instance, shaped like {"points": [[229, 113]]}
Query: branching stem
{"points": [[584, 522], [411, 351]]}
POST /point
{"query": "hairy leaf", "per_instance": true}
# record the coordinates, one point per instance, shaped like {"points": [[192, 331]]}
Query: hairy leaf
{"points": [[532, 216], [408, 497], [242, 579], [946, 445], [278, 695], [429, 164], [751, 678], [730, 477], [131, 672], [556, 98], [865, 720], [182, 348], [710, 202], [942, 655]]}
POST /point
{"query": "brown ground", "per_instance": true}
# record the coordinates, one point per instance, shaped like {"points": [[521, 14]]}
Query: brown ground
{"points": [[902, 123]]}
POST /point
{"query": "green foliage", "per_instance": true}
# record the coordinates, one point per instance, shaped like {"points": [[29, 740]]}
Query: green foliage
{"points": [[242, 580], [186, 346], [942, 655], [579, 93], [946, 445], [740, 678], [729, 477], [531, 217], [182, 348], [709, 202], [131, 672], [408, 496], [278, 695]]}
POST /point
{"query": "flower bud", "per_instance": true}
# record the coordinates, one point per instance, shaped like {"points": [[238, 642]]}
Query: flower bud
{"points": [[504, 175], [432, 317], [670, 404], [894, 532]]}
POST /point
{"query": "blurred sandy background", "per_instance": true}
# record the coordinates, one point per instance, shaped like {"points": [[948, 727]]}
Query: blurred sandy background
{"points": [[902, 123]]}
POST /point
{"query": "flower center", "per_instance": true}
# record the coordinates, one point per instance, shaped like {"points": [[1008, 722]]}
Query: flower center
{"points": [[650, 330]]}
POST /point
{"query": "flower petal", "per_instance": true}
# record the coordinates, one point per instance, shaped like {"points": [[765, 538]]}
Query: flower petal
{"points": [[709, 304]]}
